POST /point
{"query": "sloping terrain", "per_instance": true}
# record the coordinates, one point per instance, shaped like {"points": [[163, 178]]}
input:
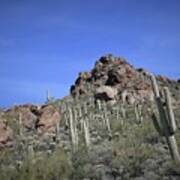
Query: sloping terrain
{"points": [[102, 130]]}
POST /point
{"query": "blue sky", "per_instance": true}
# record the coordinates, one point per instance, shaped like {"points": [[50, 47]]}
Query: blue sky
{"points": [[44, 44]]}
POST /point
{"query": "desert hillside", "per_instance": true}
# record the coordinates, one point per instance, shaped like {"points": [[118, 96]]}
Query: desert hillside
{"points": [[109, 127]]}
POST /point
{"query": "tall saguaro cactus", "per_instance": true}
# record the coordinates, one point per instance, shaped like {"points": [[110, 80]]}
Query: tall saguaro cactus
{"points": [[166, 125], [73, 130], [20, 124], [86, 132], [138, 113]]}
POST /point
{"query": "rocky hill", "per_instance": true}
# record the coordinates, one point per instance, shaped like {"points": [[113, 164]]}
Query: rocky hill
{"points": [[104, 129], [113, 78]]}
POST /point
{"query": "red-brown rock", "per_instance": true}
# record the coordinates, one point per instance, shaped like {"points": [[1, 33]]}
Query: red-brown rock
{"points": [[25, 114], [6, 135], [48, 119]]}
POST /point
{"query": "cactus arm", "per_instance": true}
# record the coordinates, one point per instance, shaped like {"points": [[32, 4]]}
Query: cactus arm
{"points": [[72, 130], [106, 119], [157, 125], [155, 86], [123, 111], [163, 118], [159, 102], [79, 111], [99, 104], [173, 148], [86, 132], [20, 124], [57, 130], [136, 113], [172, 122]]}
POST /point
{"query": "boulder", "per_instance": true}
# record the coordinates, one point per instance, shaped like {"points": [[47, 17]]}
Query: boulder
{"points": [[106, 93]]}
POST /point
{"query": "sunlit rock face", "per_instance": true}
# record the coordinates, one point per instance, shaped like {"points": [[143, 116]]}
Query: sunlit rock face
{"points": [[117, 74]]}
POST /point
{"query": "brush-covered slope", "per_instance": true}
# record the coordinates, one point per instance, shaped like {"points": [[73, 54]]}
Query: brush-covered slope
{"points": [[80, 138]]}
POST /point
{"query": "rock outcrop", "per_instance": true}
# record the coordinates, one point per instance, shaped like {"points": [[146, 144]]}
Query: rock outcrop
{"points": [[43, 119], [117, 74], [106, 93], [132, 85]]}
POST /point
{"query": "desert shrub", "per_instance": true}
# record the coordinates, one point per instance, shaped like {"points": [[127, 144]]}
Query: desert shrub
{"points": [[39, 166], [131, 149], [79, 160]]}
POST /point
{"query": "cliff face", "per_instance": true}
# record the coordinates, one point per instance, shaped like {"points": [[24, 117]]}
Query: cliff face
{"points": [[114, 76]]}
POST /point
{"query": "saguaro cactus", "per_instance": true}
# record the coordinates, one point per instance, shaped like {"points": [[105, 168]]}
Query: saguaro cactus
{"points": [[138, 113], [123, 111], [73, 130], [49, 98], [86, 132], [20, 124], [79, 111], [166, 125], [106, 118], [57, 132], [99, 104]]}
